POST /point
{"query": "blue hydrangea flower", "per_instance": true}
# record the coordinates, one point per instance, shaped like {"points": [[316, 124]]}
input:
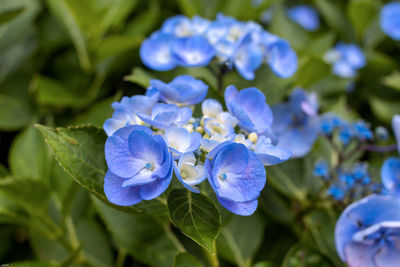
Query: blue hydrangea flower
{"points": [[346, 59], [321, 169], [390, 174], [139, 163], [192, 51], [188, 172], [237, 177], [164, 115], [304, 15], [156, 52], [390, 20], [270, 154], [336, 192], [250, 109], [362, 131], [329, 122], [125, 111], [368, 231], [183, 90], [296, 124], [180, 140], [281, 58]]}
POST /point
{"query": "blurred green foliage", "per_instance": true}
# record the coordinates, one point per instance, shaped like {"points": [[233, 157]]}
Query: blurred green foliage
{"points": [[63, 62]]}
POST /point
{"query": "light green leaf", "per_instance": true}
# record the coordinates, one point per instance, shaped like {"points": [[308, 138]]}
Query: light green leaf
{"points": [[185, 259], [196, 215], [384, 109], [63, 12], [311, 70], [240, 238], [140, 77], [8, 15], [392, 80], [14, 114], [29, 156], [54, 93], [361, 13], [117, 44], [144, 22], [10, 212], [140, 235], [32, 195]]}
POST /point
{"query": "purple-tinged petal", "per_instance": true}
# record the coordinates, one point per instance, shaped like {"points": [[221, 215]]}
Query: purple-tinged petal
{"points": [[239, 208]]}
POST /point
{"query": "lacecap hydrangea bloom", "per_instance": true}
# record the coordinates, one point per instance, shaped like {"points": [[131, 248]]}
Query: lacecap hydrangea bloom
{"points": [[161, 137], [390, 171], [304, 15], [390, 20], [192, 42], [346, 59], [367, 233]]}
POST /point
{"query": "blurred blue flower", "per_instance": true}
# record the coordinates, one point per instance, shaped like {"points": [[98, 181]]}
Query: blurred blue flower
{"points": [[183, 90], [381, 133], [304, 15], [368, 231], [346, 133], [188, 173], [296, 123], [329, 122], [346, 59], [336, 192], [139, 163], [156, 52], [281, 58], [164, 115], [321, 169], [390, 175], [193, 51], [362, 130], [390, 20], [250, 109], [396, 130], [180, 141], [237, 177], [125, 111]]}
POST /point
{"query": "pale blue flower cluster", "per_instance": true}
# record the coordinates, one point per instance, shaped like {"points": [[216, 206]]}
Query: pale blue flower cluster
{"points": [[153, 136], [390, 20], [346, 59], [192, 42]]}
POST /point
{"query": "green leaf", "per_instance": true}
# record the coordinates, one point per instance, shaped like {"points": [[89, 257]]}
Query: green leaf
{"points": [[185, 259], [335, 18], [140, 235], [311, 70], [63, 12], [33, 264], [9, 15], [301, 255], [144, 22], [10, 212], [196, 215], [32, 195], [384, 109], [3, 171], [54, 93], [240, 238], [14, 114], [139, 76], [117, 44], [361, 13], [29, 156], [392, 80], [96, 247], [80, 151]]}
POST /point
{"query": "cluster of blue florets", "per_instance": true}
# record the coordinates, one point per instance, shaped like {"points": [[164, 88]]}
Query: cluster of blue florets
{"points": [[193, 42], [153, 136]]}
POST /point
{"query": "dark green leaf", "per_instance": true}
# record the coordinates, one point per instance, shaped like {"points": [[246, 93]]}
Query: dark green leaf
{"points": [[384, 109], [301, 255], [240, 238], [140, 235], [9, 15], [34, 264], [184, 259], [196, 215], [29, 156], [311, 70], [14, 114], [117, 44]]}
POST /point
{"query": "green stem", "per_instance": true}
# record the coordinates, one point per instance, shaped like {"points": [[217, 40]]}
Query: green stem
{"points": [[212, 259], [121, 257]]}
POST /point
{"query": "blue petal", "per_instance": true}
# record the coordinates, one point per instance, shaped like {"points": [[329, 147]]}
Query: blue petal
{"points": [[152, 190], [358, 254], [282, 59], [239, 208], [145, 146], [194, 189], [193, 51], [282, 117], [342, 69], [229, 95], [118, 156], [388, 256], [272, 155], [118, 195], [167, 92], [248, 57], [390, 20], [390, 174], [191, 91], [112, 125], [211, 108], [155, 52], [305, 16]]}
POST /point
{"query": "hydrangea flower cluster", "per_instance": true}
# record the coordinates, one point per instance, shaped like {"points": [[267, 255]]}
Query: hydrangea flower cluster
{"points": [[390, 20], [191, 42], [304, 15], [358, 131], [154, 136], [346, 59]]}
